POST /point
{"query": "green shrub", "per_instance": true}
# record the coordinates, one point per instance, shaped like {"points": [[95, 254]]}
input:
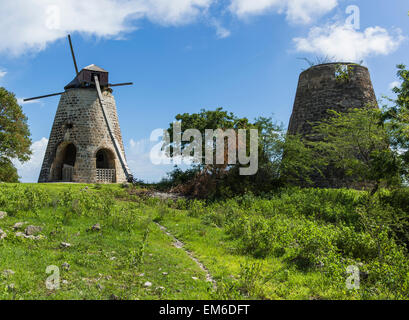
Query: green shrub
{"points": [[312, 242], [254, 235], [356, 245], [197, 208], [19, 197]]}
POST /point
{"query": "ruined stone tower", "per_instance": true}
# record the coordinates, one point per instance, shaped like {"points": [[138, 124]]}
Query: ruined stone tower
{"points": [[322, 87], [331, 86], [85, 143]]}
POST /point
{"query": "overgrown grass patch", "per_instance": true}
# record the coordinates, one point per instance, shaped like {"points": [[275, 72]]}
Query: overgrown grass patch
{"points": [[292, 244]]}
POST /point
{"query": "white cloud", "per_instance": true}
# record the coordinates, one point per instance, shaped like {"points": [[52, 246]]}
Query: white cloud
{"points": [[297, 11], [2, 73], [132, 143], [394, 84], [221, 31], [345, 43], [174, 12], [141, 161], [32, 24], [30, 170]]}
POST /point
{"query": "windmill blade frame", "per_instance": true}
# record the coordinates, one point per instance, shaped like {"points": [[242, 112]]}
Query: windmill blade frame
{"points": [[124, 165], [73, 55], [41, 97], [120, 84]]}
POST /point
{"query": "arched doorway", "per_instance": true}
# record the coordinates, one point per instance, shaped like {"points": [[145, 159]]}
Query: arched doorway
{"points": [[64, 162], [105, 164], [70, 155]]}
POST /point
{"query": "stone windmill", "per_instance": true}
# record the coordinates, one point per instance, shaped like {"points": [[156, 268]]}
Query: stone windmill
{"points": [[85, 143], [321, 88]]}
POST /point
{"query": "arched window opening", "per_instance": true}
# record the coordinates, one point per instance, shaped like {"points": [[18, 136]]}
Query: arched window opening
{"points": [[105, 164], [105, 159]]}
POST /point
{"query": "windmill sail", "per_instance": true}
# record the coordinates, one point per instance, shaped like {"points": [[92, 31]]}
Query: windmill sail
{"points": [[114, 141], [73, 55], [46, 96]]}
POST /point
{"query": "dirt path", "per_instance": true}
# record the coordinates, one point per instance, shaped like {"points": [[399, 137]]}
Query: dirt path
{"points": [[180, 245], [166, 195]]}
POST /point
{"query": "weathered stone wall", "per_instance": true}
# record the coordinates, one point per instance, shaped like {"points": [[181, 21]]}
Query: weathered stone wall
{"points": [[319, 90], [79, 120]]}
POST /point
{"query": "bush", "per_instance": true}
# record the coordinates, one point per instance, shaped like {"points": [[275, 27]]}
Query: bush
{"points": [[197, 208], [18, 197], [311, 243], [8, 173], [254, 235], [398, 201], [326, 230], [356, 245]]}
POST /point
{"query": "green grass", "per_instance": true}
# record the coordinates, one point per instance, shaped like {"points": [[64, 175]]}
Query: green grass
{"points": [[102, 264], [254, 248], [277, 278]]}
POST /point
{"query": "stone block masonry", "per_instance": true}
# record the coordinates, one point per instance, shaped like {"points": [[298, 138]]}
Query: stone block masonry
{"points": [[80, 139], [321, 89], [332, 86]]}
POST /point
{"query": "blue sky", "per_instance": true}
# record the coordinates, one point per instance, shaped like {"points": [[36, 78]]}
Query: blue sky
{"points": [[184, 55]]}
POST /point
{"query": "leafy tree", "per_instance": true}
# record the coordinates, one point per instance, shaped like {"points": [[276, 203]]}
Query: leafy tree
{"points": [[226, 177], [8, 173], [357, 144], [206, 119], [396, 119], [299, 161], [271, 139], [14, 136]]}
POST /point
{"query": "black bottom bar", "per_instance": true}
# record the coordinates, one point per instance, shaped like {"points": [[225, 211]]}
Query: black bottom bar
{"points": [[167, 310]]}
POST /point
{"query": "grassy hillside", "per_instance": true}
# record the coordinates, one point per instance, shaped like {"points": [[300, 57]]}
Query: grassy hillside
{"points": [[296, 244]]}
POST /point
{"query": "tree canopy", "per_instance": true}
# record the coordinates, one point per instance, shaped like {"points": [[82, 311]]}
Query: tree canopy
{"points": [[227, 176], [15, 139], [356, 143], [396, 118]]}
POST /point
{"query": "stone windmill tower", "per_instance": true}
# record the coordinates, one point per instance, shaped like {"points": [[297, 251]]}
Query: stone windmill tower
{"points": [[331, 86], [85, 143]]}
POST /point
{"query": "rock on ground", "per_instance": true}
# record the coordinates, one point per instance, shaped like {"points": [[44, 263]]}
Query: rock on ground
{"points": [[65, 266], [23, 235], [96, 227], [33, 230], [18, 225], [65, 245], [8, 272]]}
